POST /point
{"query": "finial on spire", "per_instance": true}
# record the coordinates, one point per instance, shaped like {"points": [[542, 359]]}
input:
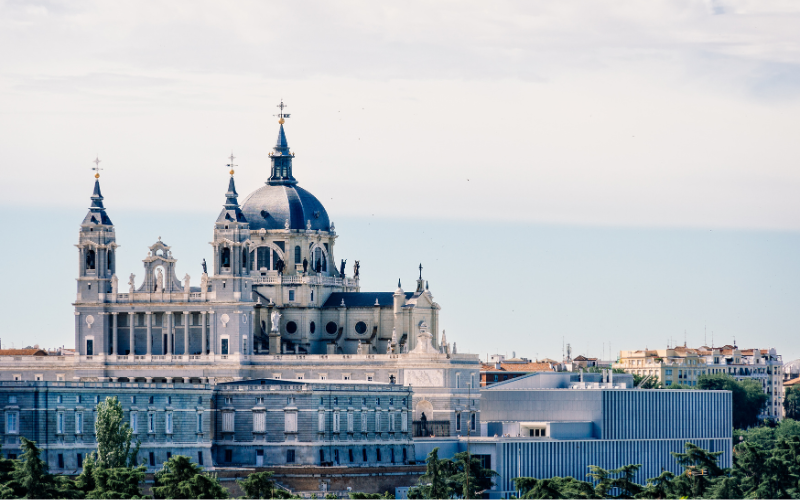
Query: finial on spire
{"points": [[420, 270], [398, 283], [231, 165], [282, 115], [96, 167]]}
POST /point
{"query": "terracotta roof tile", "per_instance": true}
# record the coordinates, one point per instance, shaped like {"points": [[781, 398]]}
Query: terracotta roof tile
{"points": [[23, 352]]}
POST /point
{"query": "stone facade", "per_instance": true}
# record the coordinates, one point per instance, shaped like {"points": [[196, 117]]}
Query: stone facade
{"points": [[245, 424]]}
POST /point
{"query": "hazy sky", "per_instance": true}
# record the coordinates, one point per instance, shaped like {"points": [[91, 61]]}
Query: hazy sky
{"points": [[609, 171]]}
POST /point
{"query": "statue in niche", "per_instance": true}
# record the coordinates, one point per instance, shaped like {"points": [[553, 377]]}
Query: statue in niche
{"points": [[455, 350], [114, 284], [276, 322], [90, 259], [205, 269], [204, 282], [132, 282], [318, 268], [286, 224], [360, 348], [160, 281], [305, 265], [280, 266], [186, 283], [388, 348], [341, 268], [356, 269]]}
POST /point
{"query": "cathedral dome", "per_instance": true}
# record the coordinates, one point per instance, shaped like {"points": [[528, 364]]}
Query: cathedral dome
{"points": [[270, 207], [282, 199]]}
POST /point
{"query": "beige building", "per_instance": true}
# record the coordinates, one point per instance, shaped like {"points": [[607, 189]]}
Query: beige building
{"points": [[683, 365]]}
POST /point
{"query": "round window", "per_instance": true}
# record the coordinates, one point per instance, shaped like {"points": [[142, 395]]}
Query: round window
{"points": [[331, 327], [291, 327], [361, 327], [312, 327]]}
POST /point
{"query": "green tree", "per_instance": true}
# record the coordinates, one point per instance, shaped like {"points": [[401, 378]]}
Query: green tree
{"points": [[119, 482], [603, 479], [624, 481], [258, 485], [748, 397], [554, 487], [377, 496], [699, 467], [750, 464], [180, 478], [114, 436], [434, 483], [470, 475], [7, 467], [31, 476], [791, 403], [725, 487], [657, 487]]}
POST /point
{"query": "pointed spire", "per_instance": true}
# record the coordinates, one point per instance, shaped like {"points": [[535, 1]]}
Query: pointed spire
{"points": [[281, 157], [97, 212], [230, 210]]}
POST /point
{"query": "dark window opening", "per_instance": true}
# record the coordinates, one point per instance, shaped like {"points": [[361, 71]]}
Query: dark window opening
{"points": [[80, 460], [392, 450], [289, 456], [361, 327], [364, 454], [229, 455], [331, 327], [225, 257], [379, 455], [336, 456], [312, 327], [321, 456], [244, 258], [262, 257], [152, 459], [405, 456], [297, 257], [200, 458], [110, 267], [169, 455], [90, 257], [224, 346], [350, 453], [60, 460], [90, 347]]}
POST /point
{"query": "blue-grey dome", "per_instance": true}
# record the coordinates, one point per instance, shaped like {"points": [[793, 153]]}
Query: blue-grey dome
{"points": [[270, 206]]}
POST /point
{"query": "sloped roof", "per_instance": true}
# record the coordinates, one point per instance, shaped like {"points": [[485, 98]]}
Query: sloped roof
{"points": [[362, 299], [791, 383], [23, 352], [518, 367]]}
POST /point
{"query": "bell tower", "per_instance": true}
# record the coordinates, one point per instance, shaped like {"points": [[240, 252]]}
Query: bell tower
{"points": [[231, 247], [97, 246]]}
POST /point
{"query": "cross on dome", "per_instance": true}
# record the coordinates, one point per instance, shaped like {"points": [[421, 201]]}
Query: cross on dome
{"points": [[96, 167], [282, 115], [231, 164]]}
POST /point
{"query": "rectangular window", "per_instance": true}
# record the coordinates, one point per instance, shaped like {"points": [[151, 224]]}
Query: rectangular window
{"points": [[290, 422], [289, 456], [229, 455], [151, 422], [152, 459], [291, 295], [321, 421], [60, 460], [60, 423], [404, 422], [199, 458], [228, 421], [89, 347], [12, 400], [312, 295], [472, 421], [224, 346], [363, 421], [12, 422], [349, 422], [80, 460], [169, 423], [199, 422], [458, 421], [59, 398], [169, 455], [391, 422], [262, 255], [169, 400], [79, 422], [336, 421], [377, 421], [134, 423], [259, 421]]}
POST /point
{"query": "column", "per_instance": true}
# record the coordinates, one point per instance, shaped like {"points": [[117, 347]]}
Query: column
{"points": [[169, 321], [149, 318], [212, 333], [254, 329], [203, 333], [185, 333], [132, 343], [115, 333]]}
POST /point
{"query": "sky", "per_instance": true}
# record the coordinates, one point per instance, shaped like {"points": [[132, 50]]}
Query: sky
{"points": [[613, 175]]}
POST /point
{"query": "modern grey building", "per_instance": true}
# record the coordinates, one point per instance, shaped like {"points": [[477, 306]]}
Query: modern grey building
{"points": [[557, 424], [251, 424]]}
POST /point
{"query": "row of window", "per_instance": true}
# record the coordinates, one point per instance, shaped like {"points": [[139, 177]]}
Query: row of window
{"points": [[390, 417], [168, 422], [12, 399], [79, 458], [363, 401], [267, 258], [292, 458]]}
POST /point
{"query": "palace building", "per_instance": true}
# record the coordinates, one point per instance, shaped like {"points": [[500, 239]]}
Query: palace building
{"points": [[271, 304]]}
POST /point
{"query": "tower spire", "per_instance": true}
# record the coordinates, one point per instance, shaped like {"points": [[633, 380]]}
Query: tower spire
{"points": [[281, 157], [97, 212], [230, 210]]}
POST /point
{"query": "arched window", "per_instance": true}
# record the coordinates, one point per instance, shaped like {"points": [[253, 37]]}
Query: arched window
{"points": [[267, 258], [298, 259], [109, 267], [225, 257], [90, 259], [244, 258], [320, 260]]}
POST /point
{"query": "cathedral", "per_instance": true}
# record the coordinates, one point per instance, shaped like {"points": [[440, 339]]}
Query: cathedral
{"points": [[272, 303]]}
